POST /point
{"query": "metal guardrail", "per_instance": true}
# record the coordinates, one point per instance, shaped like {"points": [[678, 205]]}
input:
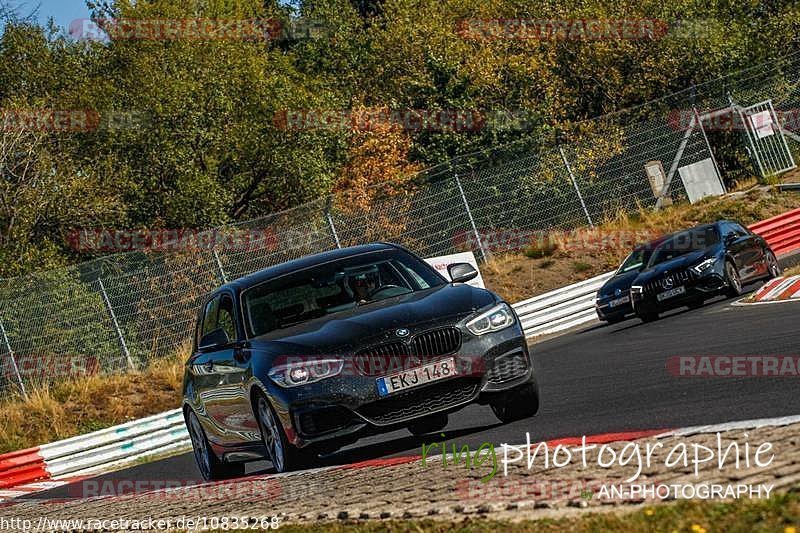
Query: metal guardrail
{"points": [[560, 309], [781, 232]]}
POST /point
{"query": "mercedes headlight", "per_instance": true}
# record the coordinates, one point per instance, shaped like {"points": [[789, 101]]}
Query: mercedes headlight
{"points": [[704, 265], [498, 317], [304, 372]]}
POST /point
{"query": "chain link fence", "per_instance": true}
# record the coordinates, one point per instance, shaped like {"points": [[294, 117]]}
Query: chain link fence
{"points": [[121, 312]]}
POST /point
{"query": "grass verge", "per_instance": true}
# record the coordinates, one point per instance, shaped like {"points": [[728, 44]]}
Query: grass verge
{"points": [[779, 513], [90, 403]]}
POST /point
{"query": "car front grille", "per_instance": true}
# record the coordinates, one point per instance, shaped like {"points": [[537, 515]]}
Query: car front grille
{"points": [[508, 367], [677, 278], [443, 341], [420, 402], [396, 356]]}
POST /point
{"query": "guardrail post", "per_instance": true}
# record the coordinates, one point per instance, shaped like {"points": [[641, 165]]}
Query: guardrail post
{"points": [[332, 227], [471, 220], [575, 184], [13, 361], [220, 270], [121, 338]]}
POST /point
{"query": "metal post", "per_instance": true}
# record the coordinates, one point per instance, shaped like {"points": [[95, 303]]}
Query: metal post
{"points": [[332, 228], [220, 270], [708, 145], [13, 360], [575, 184], [114, 323], [471, 220]]}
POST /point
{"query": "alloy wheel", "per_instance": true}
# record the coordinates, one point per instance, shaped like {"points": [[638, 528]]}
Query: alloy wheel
{"points": [[733, 278], [270, 432], [774, 269], [200, 446]]}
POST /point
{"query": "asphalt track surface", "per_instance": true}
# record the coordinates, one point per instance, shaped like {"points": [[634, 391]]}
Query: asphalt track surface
{"points": [[601, 379]]}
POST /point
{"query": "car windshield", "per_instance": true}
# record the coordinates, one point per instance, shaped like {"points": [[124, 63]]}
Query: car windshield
{"points": [[334, 287], [685, 242], [635, 261]]}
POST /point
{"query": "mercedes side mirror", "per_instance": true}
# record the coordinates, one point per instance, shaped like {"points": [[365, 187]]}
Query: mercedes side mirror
{"points": [[461, 272]]}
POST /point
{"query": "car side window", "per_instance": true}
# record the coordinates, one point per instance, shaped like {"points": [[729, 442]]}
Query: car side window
{"points": [[225, 317], [739, 230], [209, 318]]}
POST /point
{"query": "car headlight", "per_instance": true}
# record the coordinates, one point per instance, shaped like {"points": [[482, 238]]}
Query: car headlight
{"points": [[704, 265], [498, 317], [304, 372]]}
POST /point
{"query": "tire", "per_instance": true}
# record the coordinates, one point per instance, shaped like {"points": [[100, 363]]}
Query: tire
{"points": [[211, 468], [428, 424], [732, 281], [648, 317], [697, 304], [773, 268], [517, 404], [284, 455]]}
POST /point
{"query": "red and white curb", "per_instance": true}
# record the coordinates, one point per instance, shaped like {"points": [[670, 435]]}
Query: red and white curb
{"points": [[780, 289], [7, 497]]}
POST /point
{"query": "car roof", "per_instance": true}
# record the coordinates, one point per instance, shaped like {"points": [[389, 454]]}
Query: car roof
{"points": [[656, 242], [303, 262]]}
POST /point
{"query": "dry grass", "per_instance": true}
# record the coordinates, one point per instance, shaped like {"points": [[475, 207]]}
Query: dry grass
{"points": [[517, 276], [80, 406]]}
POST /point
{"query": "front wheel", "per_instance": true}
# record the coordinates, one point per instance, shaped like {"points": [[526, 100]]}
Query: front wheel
{"points": [[520, 402], [211, 468], [773, 268], [734, 283], [284, 455]]}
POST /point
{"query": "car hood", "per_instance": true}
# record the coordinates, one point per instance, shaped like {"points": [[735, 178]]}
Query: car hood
{"points": [[678, 263], [375, 322], [620, 282]]}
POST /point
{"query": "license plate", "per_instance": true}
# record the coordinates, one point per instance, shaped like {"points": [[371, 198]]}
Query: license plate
{"points": [[619, 301], [415, 377], [670, 293]]}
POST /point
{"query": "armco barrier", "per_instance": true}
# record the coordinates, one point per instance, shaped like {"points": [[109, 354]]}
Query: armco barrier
{"points": [[88, 454], [781, 232], [128, 443], [560, 309]]}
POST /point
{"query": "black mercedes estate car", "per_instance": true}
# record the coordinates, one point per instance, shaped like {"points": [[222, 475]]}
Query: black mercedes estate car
{"points": [[302, 358], [690, 266]]}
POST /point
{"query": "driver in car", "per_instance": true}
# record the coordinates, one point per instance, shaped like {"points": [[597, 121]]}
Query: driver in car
{"points": [[362, 285]]}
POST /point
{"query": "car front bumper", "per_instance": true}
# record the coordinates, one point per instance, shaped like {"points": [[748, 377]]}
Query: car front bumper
{"points": [[701, 287], [348, 406]]}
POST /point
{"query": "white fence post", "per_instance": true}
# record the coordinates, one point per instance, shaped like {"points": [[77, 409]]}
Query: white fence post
{"points": [[220, 270], [122, 344], [13, 360], [471, 220], [575, 184]]}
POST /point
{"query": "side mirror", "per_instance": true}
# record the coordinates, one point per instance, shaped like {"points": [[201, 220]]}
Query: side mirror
{"points": [[461, 272], [214, 339]]}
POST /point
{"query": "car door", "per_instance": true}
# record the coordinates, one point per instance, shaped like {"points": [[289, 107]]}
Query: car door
{"points": [[736, 247], [232, 409], [201, 368], [752, 254]]}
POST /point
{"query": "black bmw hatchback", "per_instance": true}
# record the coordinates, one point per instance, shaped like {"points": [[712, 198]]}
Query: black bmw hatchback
{"points": [[302, 358], [691, 266]]}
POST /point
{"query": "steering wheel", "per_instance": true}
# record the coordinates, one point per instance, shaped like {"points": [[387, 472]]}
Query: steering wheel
{"points": [[376, 290]]}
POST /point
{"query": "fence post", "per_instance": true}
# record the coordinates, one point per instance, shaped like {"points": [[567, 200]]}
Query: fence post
{"points": [[114, 323], [332, 227], [220, 270], [708, 146], [13, 360], [575, 184], [471, 220]]}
